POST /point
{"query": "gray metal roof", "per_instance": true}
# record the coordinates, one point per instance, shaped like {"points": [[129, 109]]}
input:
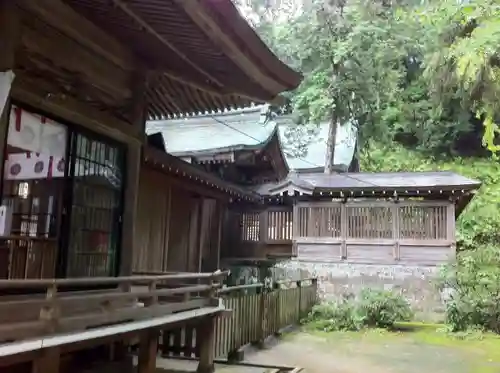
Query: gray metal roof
{"points": [[368, 181], [248, 128]]}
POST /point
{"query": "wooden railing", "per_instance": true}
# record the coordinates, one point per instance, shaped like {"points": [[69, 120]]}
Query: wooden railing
{"points": [[257, 313], [41, 308]]}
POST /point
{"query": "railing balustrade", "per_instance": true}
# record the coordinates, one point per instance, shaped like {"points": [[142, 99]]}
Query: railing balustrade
{"points": [[41, 308], [257, 313]]}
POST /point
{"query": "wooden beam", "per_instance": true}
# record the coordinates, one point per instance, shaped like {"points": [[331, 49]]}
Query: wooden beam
{"points": [[9, 34], [138, 103], [45, 97], [125, 8], [70, 22], [200, 14], [83, 62]]}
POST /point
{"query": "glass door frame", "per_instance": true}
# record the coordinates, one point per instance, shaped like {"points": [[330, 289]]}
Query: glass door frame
{"points": [[65, 212]]}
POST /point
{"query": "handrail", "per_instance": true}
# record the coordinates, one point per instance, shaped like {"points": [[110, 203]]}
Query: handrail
{"points": [[32, 283], [230, 289]]}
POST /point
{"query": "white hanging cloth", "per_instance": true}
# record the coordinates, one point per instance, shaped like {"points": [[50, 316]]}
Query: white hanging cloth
{"points": [[6, 78]]}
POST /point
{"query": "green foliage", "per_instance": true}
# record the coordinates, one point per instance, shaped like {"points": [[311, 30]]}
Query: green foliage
{"points": [[381, 309], [479, 223], [334, 316], [422, 69], [373, 308], [475, 280], [466, 58]]}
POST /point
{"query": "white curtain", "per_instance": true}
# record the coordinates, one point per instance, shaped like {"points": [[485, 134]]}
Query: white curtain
{"points": [[6, 78]]}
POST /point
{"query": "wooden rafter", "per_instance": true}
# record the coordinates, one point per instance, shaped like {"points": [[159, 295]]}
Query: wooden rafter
{"points": [[64, 18], [164, 41], [198, 13]]}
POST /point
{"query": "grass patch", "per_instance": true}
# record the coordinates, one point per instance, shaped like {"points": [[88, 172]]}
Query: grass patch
{"points": [[416, 347]]}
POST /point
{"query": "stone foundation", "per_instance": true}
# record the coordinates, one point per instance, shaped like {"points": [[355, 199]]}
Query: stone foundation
{"points": [[416, 283]]}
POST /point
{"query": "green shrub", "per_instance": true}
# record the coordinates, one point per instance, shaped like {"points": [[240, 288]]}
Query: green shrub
{"points": [[334, 316], [373, 308], [381, 308], [475, 280]]}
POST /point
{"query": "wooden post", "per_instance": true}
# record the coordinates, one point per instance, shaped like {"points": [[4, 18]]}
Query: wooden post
{"points": [[133, 161], [343, 230], [395, 231], [299, 313], [148, 347], [50, 312], [48, 361], [315, 285], [133, 166], [10, 36], [207, 330], [221, 216], [450, 225]]}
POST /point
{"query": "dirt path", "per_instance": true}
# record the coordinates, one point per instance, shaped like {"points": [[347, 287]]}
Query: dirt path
{"points": [[309, 352], [361, 353], [358, 355]]}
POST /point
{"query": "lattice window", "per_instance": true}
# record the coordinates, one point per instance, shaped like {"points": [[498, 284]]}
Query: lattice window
{"points": [[96, 171], [423, 222], [279, 225], [250, 227], [319, 221], [369, 222]]}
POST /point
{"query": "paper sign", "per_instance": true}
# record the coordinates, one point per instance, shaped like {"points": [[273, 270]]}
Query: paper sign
{"points": [[5, 220]]}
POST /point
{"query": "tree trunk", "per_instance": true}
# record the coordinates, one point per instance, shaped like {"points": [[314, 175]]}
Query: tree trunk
{"points": [[330, 145]]}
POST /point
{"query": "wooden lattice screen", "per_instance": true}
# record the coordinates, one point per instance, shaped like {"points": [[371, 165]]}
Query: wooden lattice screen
{"points": [[272, 224], [279, 223], [406, 220], [250, 226]]}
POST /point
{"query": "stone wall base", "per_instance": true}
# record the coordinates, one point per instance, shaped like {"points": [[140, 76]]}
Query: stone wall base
{"points": [[335, 280]]}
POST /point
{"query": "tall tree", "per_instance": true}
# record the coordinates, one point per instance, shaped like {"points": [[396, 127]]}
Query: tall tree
{"points": [[468, 57]]}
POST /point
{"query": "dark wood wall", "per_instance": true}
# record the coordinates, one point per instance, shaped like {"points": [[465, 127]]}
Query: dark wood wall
{"points": [[176, 229]]}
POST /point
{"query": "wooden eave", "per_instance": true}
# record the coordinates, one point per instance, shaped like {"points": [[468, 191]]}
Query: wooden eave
{"points": [[274, 150], [200, 180], [271, 148], [196, 51]]}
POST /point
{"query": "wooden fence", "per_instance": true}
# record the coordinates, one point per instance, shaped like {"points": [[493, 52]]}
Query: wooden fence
{"points": [[257, 313], [41, 308]]}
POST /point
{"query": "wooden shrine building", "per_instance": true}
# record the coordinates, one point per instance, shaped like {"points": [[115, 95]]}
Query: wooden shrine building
{"points": [[373, 218], [87, 199], [354, 217]]}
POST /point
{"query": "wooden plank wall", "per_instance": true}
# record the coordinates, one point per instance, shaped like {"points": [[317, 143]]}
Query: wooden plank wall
{"points": [[382, 232], [176, 230]]}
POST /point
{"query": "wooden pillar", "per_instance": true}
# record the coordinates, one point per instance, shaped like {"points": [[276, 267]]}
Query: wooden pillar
{"points": [[395, 231], [166, 237], [137, 113], [207, 342], [343, 230], [221, 217], [133, 167], [148, 347], [263, 226], [10, 35], [450, 225], [48, 361], [192, 260]]}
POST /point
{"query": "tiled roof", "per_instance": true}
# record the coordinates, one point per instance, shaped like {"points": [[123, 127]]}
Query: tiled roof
{"points": [[247, 128], [368, 181]]}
